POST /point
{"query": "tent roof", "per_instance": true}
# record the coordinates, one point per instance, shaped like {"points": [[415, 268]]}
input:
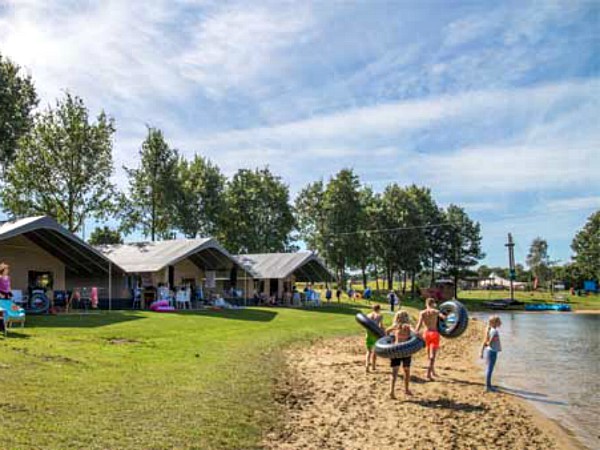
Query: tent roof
{"points": [[45, 232], [305, 266], [152, 256]]}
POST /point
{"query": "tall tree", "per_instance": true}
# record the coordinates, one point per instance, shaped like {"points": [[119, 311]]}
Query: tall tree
{"points": [[258, 217], [310, 213], [63, 167], [105, 236], [199, 199], [463, 247], [343, 208], [538, 259], [17, 101], [586, 246], [152, 189]]}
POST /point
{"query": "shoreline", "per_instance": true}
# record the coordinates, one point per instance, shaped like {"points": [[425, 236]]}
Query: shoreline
{"points": [[327, 401]]}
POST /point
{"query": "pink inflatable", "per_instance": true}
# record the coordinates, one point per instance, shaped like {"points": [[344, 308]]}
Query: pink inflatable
{"points": [[161, 306]]}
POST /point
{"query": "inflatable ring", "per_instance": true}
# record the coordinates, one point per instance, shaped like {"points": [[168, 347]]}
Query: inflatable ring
{"points": [[369, 325], [387, 348], [457, 319]]}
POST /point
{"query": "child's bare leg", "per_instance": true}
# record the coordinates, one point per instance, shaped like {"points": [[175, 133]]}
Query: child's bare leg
{"points": [[394, 378], [434, 354], [407, 380], [367, 360], [374, 360]]}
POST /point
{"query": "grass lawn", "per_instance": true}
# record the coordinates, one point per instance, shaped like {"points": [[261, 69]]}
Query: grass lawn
{"points": [[146, 380]]}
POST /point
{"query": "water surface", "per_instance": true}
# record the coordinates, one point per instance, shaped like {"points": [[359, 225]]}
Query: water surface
{"points": [[552, 360]]}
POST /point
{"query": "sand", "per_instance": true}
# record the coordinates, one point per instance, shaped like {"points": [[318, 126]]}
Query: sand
{"points": [[329, 402]]}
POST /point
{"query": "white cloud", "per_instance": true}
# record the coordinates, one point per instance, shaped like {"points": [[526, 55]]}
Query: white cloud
{"points": [[234, 47], [572, 204]]}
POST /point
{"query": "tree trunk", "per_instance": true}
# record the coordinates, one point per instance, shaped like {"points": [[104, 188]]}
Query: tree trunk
{"points": [[364, 277], [412, 284], [456, 284], [404, 282], [376, 278], [390, 275]]}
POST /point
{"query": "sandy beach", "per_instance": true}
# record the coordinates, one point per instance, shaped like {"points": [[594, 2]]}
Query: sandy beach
{"points": [[328, 402]]}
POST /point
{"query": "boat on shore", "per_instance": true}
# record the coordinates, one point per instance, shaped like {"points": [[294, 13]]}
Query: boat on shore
{"points": [[504, 304], [547, 307]]}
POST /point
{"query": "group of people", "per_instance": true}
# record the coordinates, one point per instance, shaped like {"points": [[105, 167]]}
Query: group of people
{"points": [[428, 318]]}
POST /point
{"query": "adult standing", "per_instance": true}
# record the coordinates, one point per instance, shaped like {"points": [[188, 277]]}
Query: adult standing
{"points": [[338, 294], [392, 300]]}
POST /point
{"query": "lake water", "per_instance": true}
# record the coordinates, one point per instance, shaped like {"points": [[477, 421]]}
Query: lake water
{"points": [[552, 360]]}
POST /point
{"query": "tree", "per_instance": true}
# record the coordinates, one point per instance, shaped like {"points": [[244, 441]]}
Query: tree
{"points": [[63, 167], [258, 216], [309, 213], [463, 246], [17, 101], [586, 246], [342, 208], [538, 259], [152, 189], [199, 199], [105, 236]]}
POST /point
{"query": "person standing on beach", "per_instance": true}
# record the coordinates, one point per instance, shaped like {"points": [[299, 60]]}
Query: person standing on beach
{"points": [[401, 329], [429, 317], [491, 346], [371, 339]]}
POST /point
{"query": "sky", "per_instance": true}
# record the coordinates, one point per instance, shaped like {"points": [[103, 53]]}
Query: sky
{"points": [[494, 105]]}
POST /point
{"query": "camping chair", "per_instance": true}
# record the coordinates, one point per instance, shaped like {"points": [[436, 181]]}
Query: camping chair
{"points": [[11, 313], [183, 298], [18, 298]]}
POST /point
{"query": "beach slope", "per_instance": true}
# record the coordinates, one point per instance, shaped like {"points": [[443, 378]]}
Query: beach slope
{"points": [[328, 402]]}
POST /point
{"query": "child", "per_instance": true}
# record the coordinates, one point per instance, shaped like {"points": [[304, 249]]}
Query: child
{"points": [[402, 330], [429, 317], [371, 339], [5, 290], [492, 345]]}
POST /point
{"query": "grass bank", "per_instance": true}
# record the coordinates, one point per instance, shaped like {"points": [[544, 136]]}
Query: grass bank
{"points": [[474, 299], [145, 380]]}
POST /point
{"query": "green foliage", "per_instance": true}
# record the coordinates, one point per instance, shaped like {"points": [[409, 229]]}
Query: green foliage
{"points": [[538, 259], [199, 203], [17, 101], [257, 216], [152, 189], [342, 208], [105, 236], [586, 246], [63, 167], [462, 249], [310, 215]]}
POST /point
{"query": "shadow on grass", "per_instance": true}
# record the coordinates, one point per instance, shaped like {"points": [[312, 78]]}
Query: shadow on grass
{"points": [[246, 314], [82, 320], [12, 334]]}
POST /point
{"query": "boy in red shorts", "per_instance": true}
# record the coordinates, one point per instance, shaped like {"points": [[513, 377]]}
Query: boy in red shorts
{"points": [[429, 317]]}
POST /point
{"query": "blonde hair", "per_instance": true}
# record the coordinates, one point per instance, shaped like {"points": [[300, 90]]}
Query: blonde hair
{"points": [[401, 318], [430, 301], [494, 321], [3, 268]]}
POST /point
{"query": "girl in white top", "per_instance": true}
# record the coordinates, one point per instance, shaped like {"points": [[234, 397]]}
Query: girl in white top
{"points": [[491, 346]]}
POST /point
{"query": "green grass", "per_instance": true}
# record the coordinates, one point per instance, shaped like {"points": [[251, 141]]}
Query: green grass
{"points": [[145, 380], [474, 299]]}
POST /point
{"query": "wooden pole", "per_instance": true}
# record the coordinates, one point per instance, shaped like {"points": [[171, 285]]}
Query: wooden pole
{"points": [[511, 265]]}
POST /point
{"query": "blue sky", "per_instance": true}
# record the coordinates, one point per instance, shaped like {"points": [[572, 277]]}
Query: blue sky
{"points": [[494, 106]]}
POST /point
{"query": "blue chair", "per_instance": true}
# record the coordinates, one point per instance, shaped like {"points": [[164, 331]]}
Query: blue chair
{"points": [[11, 314]]}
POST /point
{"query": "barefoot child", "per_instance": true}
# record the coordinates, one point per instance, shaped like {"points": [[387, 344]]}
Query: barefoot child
{"points": [[492, 346], [429, 317], [401, 329], [371, 339]]}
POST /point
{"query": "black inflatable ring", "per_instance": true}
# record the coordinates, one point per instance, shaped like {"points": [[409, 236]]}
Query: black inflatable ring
{"points": [[387, 348], [457, 319], [369, 325]]}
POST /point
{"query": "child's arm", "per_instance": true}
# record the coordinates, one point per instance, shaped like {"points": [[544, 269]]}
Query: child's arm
{"points": [[419, 323], [486, 340]]}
